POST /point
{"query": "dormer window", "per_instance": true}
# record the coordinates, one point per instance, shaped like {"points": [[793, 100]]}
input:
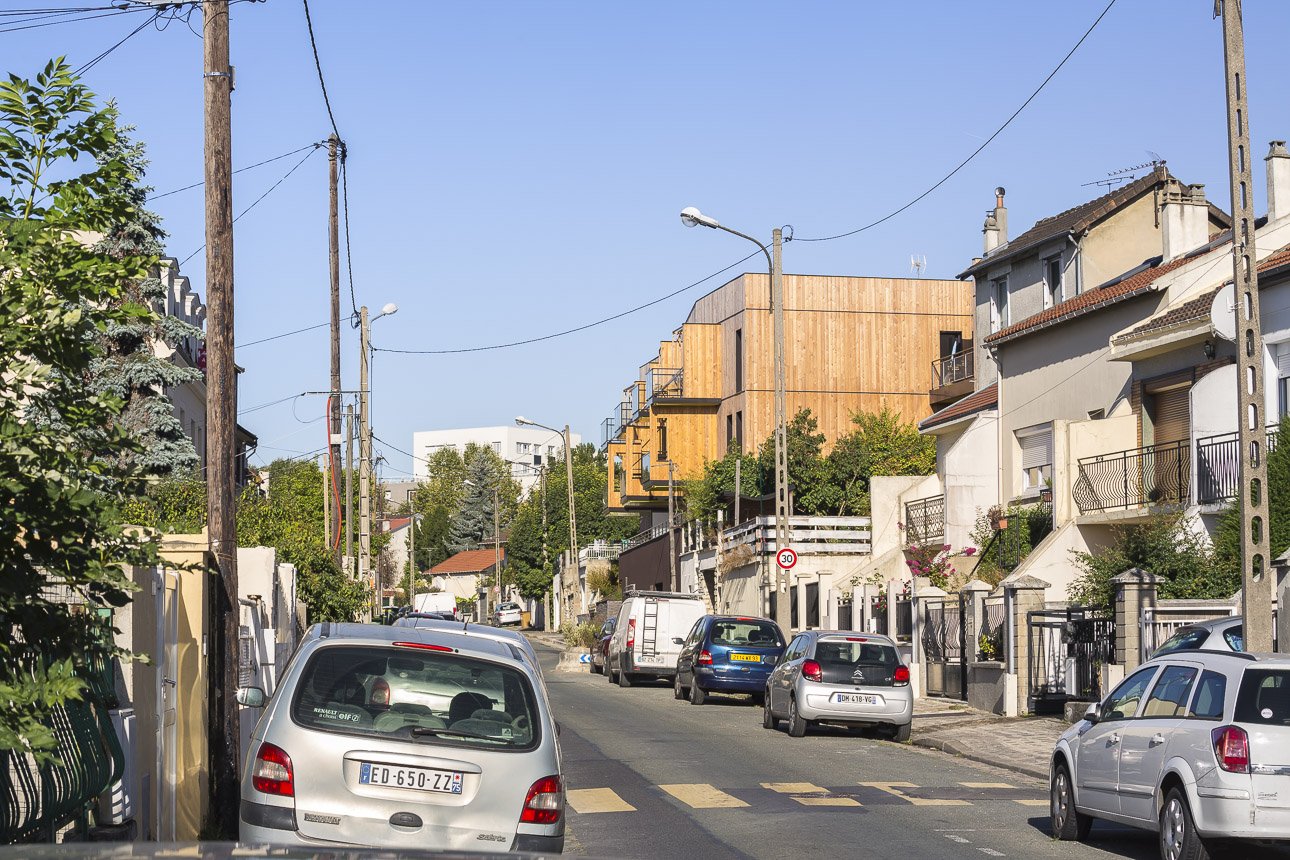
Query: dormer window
{"points": [[1053, 281]]}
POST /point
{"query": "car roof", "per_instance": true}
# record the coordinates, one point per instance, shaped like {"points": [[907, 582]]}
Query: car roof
{"points": [[1207, 656], [380, 634], [1213, 623], [732, 617], [465, 628], [856, 634]]}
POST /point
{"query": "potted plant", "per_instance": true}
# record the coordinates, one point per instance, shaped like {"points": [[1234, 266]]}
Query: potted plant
{"points": [[998, 517]]}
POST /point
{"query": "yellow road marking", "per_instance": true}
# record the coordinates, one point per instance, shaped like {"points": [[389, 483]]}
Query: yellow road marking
{"points": [[700, 795], [986, 785], [587, 800], [893, 788], [794, 787], [827, 801], [1033, 802]]}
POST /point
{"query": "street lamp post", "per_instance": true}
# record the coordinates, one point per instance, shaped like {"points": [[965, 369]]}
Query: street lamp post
{"points": [[521, 421], [365, 452], [692, 217]]}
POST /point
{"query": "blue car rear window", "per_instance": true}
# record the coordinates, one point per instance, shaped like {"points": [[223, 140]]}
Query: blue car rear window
{"points": [[745, 633]]}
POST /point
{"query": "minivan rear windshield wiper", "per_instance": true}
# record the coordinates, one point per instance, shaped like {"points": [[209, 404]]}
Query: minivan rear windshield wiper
{"points": [[420, 731]]}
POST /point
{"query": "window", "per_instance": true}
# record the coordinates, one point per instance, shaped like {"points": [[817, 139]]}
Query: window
{"points": [[730, 429], [1036, 457], [1169, 696], [999, 304], [521, 447], [550, 450], [951, 343], [739, 360], [1124, 702], [497, 446], [739, 430], [662, 440], [1208, 703], [743, 633], [1283, 378], [1052, 281], [1264, 698]]}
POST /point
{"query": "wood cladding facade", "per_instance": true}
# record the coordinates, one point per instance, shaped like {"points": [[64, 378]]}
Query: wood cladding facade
{"points": [[851, 344]]}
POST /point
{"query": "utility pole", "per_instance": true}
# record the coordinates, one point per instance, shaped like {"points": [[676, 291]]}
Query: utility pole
{"points": [[412, 552], [364, 462], [783, 614], [333, 519], [542, 482], [573, 523], [323, 461], [221, 404], [671, 527], [497, 549], [349, 489], [1256, 589]]}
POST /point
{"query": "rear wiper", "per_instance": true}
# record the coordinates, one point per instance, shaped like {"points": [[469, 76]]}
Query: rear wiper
{"points": [[420, 731]]}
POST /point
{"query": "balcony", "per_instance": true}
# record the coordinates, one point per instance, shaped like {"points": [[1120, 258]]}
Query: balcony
{"points": [[1218, 467], [614, 425], [1140, 477], [925, 520], [808, 535], [664, 383], [953, 376]]}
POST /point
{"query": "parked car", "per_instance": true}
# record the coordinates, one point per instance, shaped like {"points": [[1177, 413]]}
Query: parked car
{"points": [[1220, 634], [840, 678], [1194, 745], [508, 613], [727, 654], [404, 737], [428, 621], [642, 645], [599, 650]]}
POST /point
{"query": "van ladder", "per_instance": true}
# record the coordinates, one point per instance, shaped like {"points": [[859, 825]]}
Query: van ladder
{"points": [[649, 628]]}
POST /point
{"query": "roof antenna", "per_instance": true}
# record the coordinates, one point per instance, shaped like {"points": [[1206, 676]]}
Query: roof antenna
{"points": [[1128, 174], [917, 264]]}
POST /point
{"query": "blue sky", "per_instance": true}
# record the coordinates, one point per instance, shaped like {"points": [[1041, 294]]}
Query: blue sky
{"points": [[517, 169]]}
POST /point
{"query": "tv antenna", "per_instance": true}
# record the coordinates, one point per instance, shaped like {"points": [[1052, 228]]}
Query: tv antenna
{"points": [[1128, 174], [917, 264]]}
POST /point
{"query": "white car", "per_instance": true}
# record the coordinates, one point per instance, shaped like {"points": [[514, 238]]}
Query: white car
{"points": [[508, 613], [1193, 744]]}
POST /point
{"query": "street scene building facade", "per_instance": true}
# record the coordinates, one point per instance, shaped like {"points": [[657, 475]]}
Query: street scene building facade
{"points": [[526, 449]]}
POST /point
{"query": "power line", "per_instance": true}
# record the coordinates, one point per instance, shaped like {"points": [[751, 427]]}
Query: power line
{"points": [[267, 405], [318, 65], [285, 334], [239, 170], [978, 150], [349, 259], [94, 62], [572, 330]]}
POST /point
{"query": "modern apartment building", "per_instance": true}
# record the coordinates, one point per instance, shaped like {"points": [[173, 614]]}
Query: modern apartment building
{"points": [[527, 449]]}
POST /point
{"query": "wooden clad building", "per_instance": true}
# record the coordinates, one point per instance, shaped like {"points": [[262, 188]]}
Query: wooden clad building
{"points": [[851, 344]]}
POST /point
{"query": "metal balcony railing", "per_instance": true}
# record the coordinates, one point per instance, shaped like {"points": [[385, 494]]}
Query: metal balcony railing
{"points": [[1218, 466], [957, 367], [925, 520], [664, 382], [1154, 475]]}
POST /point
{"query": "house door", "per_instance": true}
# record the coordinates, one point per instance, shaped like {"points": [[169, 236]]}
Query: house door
{"points": [[1170, 416], [166, 586]]}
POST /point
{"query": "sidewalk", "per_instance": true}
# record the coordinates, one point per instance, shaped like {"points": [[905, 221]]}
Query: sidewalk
{"points": [[1022, 744]]}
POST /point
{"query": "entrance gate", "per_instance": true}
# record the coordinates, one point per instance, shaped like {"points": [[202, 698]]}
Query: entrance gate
{"points": [[944, 648], [1067, 650]]}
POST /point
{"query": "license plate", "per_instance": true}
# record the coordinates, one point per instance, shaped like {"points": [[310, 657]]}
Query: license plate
{"points": [[421, 778], [854, 699], [746, 658], [655, 659]]}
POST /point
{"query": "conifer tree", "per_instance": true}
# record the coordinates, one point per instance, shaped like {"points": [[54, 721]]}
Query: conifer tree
{"points": [[472, 522]]}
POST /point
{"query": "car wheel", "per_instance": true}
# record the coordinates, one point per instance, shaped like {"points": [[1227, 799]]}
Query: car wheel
{"points": [[900, 734], [1178, 837], [678, 692], [796, 725], [611, 674], [1069, 824], [595, 670], [624, 680], [768, 719], [697, 696]]}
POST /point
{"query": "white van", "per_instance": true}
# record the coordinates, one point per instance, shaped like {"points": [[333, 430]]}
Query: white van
{"points": [[650, 624], [436, 601]]}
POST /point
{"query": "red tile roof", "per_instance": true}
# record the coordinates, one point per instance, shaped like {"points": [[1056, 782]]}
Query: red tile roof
{"points": [[978, 401], [470, 561], [394, 523]]}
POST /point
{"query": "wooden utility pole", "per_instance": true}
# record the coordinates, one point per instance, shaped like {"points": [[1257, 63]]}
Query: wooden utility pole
{"points": [[1256, 562], [221, 407], [334, 517], [364, 460], [671, 528]]}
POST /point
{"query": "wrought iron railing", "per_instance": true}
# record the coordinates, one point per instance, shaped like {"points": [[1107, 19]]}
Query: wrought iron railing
{"points": [[992, 643], [1153, 475], [957, 367], [1008, 547], [925, 520], [1218, 466], [662, 383], [650, 534]]}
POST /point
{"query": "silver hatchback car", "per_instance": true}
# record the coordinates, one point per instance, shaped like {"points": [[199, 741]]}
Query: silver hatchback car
{"points": [[405, 737], [840, 678]]}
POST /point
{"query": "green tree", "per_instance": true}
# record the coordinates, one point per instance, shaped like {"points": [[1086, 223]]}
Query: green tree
{"points": [[472, 516], [806, 470], [66, 461], [1227, 537], [707, 492], [881, 443]]}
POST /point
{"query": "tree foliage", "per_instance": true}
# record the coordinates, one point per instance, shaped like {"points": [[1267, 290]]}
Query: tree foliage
{"points": [[1227, 539], [65, 464], [472, 520]]}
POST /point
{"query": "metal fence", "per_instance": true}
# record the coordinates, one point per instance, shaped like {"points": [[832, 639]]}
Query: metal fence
{"points": [[992, 643], [944, 648], [662, 383], [1218, 465], [1159, 622], [925, 520], [904, 618], [1068, 648], [1154, 475], [949, 369]]}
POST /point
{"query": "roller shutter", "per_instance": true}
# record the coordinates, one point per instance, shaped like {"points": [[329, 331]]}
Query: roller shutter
{"points": [[1036, 449], [1171, 415]]}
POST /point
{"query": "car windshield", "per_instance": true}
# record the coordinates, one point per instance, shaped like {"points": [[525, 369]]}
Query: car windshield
{"points": [[1264, 697], [392, 692], [746, 633], [1186, 638]]}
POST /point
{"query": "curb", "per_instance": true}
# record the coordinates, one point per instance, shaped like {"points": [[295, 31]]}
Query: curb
{"points": [[948, 746]]}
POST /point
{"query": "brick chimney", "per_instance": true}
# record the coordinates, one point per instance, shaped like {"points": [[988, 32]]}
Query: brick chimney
{"points": [[996, 223], [1278, 161], [1184, 219]]}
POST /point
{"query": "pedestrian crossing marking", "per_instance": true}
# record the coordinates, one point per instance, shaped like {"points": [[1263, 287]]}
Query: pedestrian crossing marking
{"points": [[827, 801], [587, 800], [1033, 802], [893, 788], [700, 795], [794, 787], [986, 785]]}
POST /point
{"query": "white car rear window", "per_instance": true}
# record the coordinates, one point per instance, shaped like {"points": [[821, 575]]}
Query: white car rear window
{"points": [[1264, 697]]}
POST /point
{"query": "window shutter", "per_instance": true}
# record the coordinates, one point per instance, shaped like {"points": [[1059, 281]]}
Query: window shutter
{"points": [[1036, 449], [1283, 360], [1171, 417]]}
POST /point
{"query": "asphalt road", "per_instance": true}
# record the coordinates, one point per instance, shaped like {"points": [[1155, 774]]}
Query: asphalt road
{"points": [[652, 777]]}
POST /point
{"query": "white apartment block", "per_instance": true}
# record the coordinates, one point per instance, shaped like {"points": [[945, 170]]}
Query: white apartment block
{"points": [[527, 449]]}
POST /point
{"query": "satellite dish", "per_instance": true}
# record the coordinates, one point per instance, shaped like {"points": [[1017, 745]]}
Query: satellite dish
{"points": [[1222, 313]]}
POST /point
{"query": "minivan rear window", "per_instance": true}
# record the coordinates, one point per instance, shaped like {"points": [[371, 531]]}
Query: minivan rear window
{"points": [[417, 695], [1264, 697], [746, 633]]}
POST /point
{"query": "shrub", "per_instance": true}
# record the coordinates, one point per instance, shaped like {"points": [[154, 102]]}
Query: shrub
{"points": [[578, 635]]}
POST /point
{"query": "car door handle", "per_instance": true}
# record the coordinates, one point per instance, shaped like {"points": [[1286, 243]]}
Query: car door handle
{"points": [[1157, 739]]}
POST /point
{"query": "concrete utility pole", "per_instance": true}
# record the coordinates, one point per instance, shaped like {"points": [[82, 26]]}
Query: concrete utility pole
{"points": [[542, 482], [412, 552], [1256, 562], [364, 461], [349, 489], [573, 520], [221, 403], [333, 519], [671, 527], [783, 613], [497, 548]]}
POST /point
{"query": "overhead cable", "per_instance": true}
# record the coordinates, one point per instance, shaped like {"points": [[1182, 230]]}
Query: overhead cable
{"points": [[239, 170]]}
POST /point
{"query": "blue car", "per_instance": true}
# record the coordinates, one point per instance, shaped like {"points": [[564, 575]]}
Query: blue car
{"points": [[727, 654]]}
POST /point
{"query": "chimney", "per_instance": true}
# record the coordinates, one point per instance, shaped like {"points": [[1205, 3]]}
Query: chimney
{"points": [[1278, 180], [1184, 222], [996, 223]]}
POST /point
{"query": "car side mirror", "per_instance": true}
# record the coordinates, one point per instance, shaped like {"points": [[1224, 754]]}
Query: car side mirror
{"points": [[677, 640], [251, 697], [1094, 712]]}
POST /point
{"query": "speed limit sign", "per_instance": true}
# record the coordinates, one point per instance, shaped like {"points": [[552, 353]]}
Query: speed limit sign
{"points": [[786, 558]]}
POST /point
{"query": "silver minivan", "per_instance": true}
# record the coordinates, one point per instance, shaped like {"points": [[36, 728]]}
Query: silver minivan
{"points": [[404, 737]]}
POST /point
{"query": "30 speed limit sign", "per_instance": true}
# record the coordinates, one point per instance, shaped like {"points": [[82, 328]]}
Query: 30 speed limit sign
{"points": [[786, 558]]}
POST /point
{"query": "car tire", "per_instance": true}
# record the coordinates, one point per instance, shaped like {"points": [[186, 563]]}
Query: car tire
{"points": [[1178, 837], [595, 670], [678, 692], [768, 719], [1069, 824], [697, 695], [900, 734], [624, 680], [796, 725]]}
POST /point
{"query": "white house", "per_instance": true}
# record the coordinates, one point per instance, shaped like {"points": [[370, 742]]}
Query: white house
{"points": [[527, 449]]}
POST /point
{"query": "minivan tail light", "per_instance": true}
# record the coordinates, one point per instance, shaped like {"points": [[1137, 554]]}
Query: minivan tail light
{"points": [[1232, 749], [631, 632], [545, 802], [811, 671], [705, 658], [381, 693], [272, 774], [900, 677]]}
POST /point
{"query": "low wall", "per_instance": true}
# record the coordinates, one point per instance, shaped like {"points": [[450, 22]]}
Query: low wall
{"points": [[987, 686]]}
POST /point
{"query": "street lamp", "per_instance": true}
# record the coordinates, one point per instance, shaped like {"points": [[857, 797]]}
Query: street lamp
{"points": [[692, 217], [365, 449], [521, 421]]}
